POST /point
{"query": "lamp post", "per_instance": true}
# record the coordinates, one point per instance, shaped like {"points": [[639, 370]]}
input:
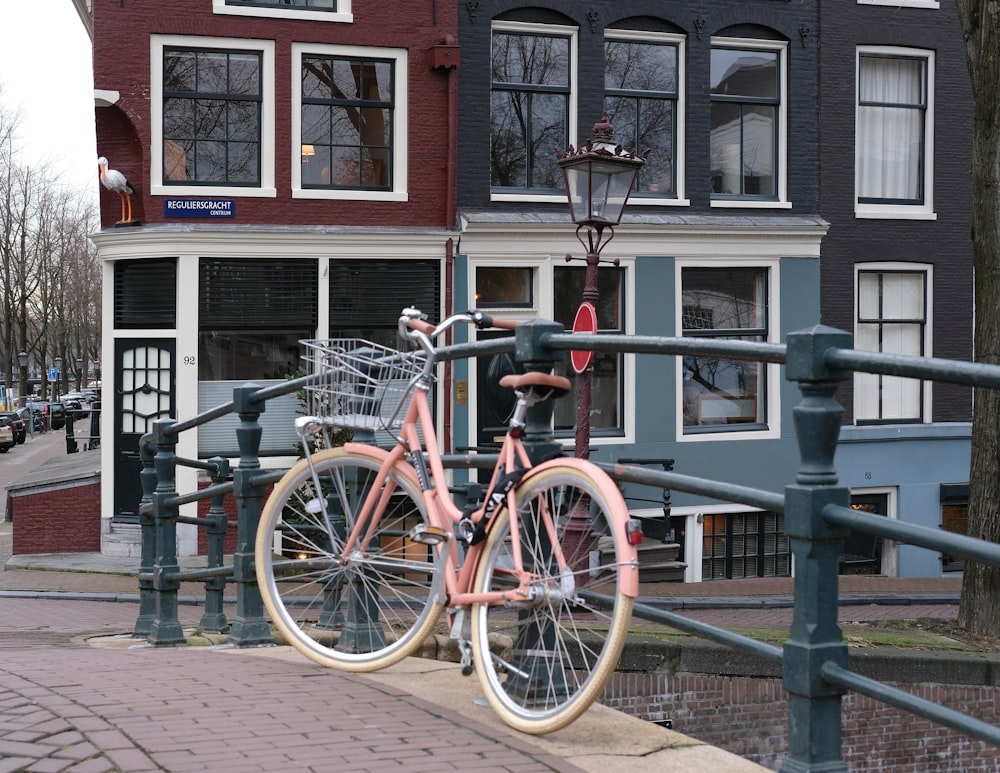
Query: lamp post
{"points": [[55, 384], [22, 361], [79, 372], [599, 178]]}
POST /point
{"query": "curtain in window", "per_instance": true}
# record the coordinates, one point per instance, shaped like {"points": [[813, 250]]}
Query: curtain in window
{"points": [[890, 128]]}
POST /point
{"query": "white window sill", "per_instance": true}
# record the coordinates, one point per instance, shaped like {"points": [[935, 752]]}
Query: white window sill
{"points": [[750, 204], [348, 195], [892, 212], [649, 201], [203, 192], [539, 197], [932, 4]]}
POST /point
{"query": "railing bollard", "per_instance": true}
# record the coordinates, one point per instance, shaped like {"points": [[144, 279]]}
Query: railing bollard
{"points": [[815, 638], [147, 530], [214, 618], [166, 629], [249, 627]]}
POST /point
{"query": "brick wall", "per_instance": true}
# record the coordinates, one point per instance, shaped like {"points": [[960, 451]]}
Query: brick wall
{"points": [[749, 717], [58, 520]]}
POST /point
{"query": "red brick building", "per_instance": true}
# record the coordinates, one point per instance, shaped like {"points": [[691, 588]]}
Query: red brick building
{"points": [[293, 174]]}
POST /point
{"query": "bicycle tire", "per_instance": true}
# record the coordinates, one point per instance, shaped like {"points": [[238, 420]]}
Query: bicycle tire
{"points": [[373, 608], [544, 662]]}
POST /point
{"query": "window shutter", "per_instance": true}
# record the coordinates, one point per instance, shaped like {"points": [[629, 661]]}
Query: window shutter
{"points": [[145, 294], [258, 294], [371, 293]]}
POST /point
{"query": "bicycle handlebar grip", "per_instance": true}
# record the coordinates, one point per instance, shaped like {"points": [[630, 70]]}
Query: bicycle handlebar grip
{"points": [[422, 325], [484, 321]]}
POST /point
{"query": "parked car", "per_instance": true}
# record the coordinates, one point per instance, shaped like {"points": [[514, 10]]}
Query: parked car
{"points": [[42, 411], [79, 397], [6, 438], [58, 412], [17, 425], [27, 415], [73, 408]]}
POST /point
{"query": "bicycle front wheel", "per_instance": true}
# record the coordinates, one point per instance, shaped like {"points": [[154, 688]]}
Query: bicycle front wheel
{"points": [[359, 610], [545, 659]]}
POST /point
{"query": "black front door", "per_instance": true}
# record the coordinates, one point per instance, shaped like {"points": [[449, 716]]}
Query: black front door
{"points": [[144, 393]]}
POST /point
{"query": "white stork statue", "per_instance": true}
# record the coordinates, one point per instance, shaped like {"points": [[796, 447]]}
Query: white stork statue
{"points": [[115, 181]]}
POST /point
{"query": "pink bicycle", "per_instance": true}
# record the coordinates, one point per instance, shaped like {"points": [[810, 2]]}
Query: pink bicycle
{"points": [[360, 549]]}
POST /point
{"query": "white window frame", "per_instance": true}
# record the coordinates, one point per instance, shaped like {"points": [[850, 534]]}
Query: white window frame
{"points": [[781, 47], [773, 376], [543, 280], [400, 122], [931, 4], [264, 47], [923, 211], [555, 31], [680, 123], [342, 14], [889, 267]]}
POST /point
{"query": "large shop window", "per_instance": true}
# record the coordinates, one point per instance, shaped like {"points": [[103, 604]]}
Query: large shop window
{"points": [[892, 309], [719, 394], [747, 124], [211, 117], [642, 95], [530, 107], [252, 315], [894, 143], [367, 296], [145, 294], [607, 384]]}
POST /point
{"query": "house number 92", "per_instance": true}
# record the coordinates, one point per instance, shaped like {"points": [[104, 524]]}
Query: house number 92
{"points": [[189, 360]]}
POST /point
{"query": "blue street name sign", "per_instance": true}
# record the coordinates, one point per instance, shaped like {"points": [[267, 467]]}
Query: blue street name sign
{"points": [[224, 208]]}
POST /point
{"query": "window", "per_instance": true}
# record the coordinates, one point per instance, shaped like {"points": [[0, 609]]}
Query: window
{"points": [[606, 381], [747, 144], [892, 311], [893, 164], [642, 96], [737, 545], [312, 10], [531, 104], [350, 123], [212, 108], [718, 394]]}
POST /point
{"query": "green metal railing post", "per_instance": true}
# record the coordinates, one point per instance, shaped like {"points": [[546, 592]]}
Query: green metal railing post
{"points": [[249, 627], [166, 629], [214, 618], [815, 638], [147, 530]]}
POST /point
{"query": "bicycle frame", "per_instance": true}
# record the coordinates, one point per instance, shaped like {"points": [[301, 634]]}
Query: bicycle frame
{"points": [[443, 514]]}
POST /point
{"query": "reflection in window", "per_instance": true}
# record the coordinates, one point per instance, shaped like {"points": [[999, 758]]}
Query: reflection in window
{"points": [[230, 355], [606, 385], [529, 110], [503, 287], [211, 116], [347, 122], [892, 110], [730, 303], [640, 97], [744, 128], [892, 316]]}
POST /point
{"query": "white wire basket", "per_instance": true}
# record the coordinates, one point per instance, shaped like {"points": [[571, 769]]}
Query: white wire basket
{"points": [[358, 384]]}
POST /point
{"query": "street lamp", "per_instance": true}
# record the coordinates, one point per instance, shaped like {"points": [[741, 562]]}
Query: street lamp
{"points": [[599, 178], [22, 360]]}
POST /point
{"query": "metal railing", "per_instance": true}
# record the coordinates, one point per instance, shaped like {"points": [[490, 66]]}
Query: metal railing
{"points": [[816, 508]]}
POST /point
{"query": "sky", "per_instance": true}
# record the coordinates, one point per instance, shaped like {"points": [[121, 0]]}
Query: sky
{"points": [[46, 69]]}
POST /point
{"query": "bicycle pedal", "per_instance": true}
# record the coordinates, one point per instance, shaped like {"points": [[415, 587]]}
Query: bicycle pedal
{"points": [[428, 535]]}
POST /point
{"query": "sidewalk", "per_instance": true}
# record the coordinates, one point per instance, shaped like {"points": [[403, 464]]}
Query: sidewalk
{"points": [[78, 693]]}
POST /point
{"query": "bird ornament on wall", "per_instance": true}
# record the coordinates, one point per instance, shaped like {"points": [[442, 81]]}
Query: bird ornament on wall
{"points": [[115, 181]]}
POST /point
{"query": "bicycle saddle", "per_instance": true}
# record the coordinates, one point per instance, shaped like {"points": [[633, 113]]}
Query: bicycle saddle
{"points": [[534, 378]]}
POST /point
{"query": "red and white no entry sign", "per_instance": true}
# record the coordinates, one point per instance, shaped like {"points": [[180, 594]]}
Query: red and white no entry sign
{"points": [[585, 322]]}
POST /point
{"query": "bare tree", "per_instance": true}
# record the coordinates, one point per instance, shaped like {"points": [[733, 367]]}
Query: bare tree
{"points": [[979, 608]]}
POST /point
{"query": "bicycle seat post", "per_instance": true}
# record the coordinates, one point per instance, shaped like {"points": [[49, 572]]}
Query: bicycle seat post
{"points": [[532, 351]]}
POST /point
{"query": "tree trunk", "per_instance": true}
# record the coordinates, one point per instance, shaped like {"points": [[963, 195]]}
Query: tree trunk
{"points": [[979, 609]]}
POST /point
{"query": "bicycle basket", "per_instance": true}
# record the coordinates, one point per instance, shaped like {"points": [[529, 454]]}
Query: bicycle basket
{"points": [[359, 384]]}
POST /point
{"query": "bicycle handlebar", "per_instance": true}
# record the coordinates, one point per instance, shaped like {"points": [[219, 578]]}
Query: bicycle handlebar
{"points": [[414, 325]]}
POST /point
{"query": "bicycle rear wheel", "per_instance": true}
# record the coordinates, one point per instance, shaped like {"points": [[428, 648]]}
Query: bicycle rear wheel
{"points": [[546, 659], [357, 612]]}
